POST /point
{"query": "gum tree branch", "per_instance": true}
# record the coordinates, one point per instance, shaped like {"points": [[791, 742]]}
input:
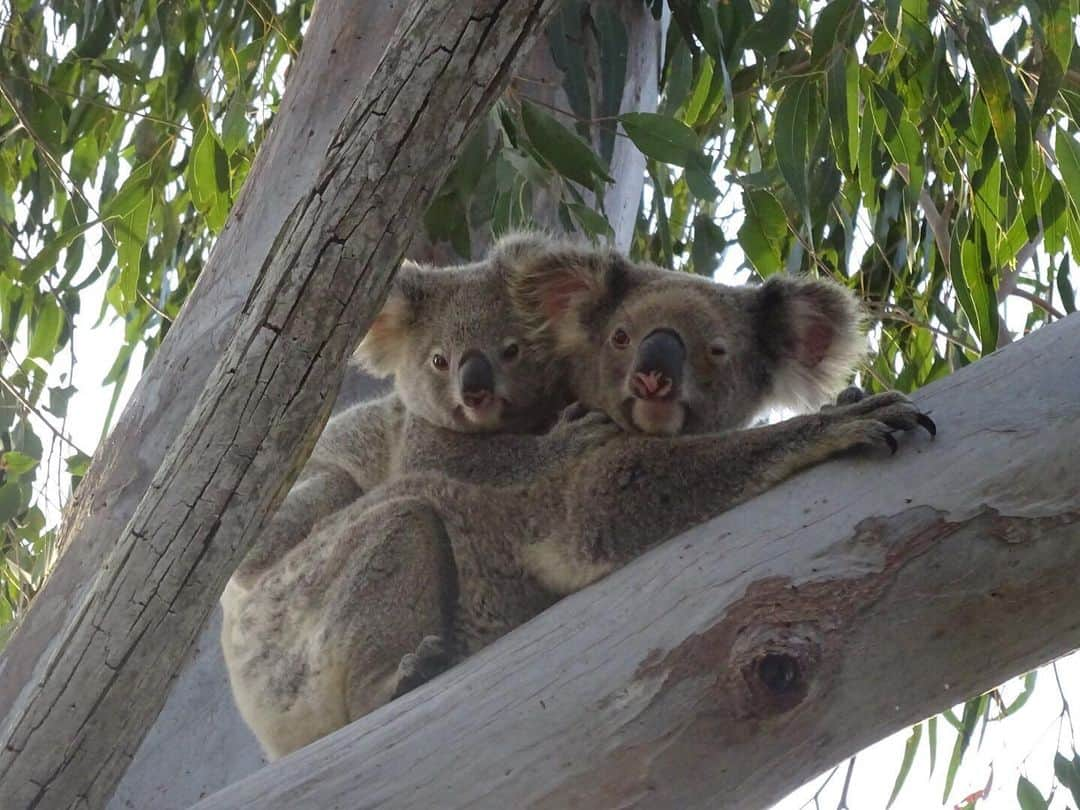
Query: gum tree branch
{"points": [[735, 662]]}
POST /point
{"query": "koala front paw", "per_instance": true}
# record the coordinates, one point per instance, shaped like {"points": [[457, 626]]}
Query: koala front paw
{"points": [[871, 421], [849, 396], [432, 657], [581, 429]]}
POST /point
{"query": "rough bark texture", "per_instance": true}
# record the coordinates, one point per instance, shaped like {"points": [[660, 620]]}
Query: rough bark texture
{"points": [[343, 43], [71, 734], [199, 744], [733, 663]]}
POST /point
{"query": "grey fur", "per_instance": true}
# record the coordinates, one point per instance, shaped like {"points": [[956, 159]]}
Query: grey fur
{"points": [[430, 568]]}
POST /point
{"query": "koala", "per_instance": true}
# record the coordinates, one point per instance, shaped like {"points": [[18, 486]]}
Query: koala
{"points": [[464, 370], [467, 375], [428, 568]]}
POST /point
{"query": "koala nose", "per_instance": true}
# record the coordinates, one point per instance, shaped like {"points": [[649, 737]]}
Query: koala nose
{"points": [[659, 367], [477, 379]]}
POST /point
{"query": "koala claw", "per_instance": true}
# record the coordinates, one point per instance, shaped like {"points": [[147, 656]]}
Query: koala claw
{"points": [[873, 420], [431, 658], [573, 412]]}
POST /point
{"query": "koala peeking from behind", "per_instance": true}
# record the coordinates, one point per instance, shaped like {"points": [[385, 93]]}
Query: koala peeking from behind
{"points": [[428, 569], [464, 371]]}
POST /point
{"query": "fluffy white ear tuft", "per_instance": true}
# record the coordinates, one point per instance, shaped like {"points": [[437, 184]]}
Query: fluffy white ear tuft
{"points": [[382, 349], [553, 289], [812, 332]]}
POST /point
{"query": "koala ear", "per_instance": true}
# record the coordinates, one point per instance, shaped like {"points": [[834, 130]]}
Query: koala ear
{"points": [[812, 334], [382, 350], [554, 291]]}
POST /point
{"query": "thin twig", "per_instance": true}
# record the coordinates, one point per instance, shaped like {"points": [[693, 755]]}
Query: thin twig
{"points": [[30, 407], [1064, 703], [895, 314], [817, 793], [1041, 303], [843, 805]]}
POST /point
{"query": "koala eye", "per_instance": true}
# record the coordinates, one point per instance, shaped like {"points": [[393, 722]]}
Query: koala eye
{"points": [[440, 362], [511, 351], [619, 338], [717, 350]]}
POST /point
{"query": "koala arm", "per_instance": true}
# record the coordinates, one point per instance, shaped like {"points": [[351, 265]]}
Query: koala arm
{"points": [[353, 455], [633, 492]]}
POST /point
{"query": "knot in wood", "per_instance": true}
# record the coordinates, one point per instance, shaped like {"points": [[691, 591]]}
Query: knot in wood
{"points": [[779, 672], [777, 663]]}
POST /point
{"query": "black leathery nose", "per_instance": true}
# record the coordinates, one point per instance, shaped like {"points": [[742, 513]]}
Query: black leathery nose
{"points": [[476, 374], [661, 352]]}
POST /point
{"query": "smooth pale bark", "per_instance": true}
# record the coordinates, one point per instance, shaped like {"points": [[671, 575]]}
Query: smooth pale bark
{"points": [[70, 734], [198, 743], [733, 663]]}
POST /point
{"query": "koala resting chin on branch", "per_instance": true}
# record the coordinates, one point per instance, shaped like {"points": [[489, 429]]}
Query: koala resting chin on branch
{"points": [[430, 567]]}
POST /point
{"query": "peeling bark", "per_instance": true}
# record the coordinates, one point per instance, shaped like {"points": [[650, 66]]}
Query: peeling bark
{"points": [[72, 731], [735, 662]]}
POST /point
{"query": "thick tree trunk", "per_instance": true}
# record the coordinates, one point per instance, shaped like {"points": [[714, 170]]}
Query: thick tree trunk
{"points": [[199, 744], [344, 42], [733, 663], [71, 733]]}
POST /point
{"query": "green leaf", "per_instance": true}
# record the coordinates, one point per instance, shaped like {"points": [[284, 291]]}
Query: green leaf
{"points": [[1029, 796], [46, 330], [963, 738], [49, 256], [662, 138], [769, 34], [763, 230], [700, 182], [1054, 26], [591, 222], [1065, 290], [836, 28], [10, 501], [792, 113], [910, 749], [1067, 152], [709, 243], [931, 733], [1068, 774], [234, 128], [77, 464], [16, 464], [567, 153], [59, 396], [995, 90]]}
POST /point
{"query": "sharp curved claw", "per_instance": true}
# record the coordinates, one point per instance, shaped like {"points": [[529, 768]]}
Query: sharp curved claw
{"points": [[927, 423], [891, 441]]}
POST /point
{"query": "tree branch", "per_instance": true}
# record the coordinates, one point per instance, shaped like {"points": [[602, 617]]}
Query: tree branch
{"points": [[71, 734], [732, 664]]}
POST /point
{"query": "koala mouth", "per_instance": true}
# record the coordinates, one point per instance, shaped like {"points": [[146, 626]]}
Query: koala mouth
{"points": [[663, 417], [488, 413]]}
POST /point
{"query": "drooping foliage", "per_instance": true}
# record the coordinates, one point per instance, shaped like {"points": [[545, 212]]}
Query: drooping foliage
{"points": [[924, 152]]}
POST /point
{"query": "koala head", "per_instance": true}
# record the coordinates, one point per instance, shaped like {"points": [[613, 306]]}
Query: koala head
{"points": [[663, 352], [459, 356]]}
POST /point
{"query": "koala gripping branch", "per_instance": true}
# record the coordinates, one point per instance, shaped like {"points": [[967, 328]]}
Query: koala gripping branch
{"points": [[737, 661], [74, 728]]}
